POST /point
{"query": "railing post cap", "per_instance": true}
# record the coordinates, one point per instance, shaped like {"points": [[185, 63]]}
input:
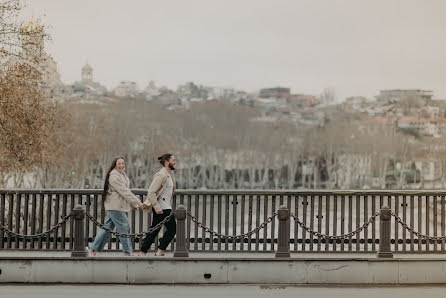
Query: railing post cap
{"points": [[283, 207], [385, 207], [78, 207], [181, 207]]}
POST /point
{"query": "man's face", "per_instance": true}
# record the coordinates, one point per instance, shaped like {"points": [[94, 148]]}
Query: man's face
{"points": [[172, 163]]}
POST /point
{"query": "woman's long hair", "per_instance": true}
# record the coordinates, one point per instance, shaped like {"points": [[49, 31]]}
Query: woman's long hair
{"points": [[106, 184]]}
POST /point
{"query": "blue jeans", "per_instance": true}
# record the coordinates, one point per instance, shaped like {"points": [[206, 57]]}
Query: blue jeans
{"points": [[114, 219]]}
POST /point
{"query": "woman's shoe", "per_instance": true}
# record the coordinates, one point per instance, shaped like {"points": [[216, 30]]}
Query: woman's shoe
{"points": [[156, 255]]}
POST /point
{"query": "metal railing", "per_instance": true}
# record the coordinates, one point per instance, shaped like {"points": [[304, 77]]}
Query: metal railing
{"points": [[238, 220]]}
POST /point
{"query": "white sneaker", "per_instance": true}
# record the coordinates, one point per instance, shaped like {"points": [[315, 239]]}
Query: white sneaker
{"points": [[90, 253]]}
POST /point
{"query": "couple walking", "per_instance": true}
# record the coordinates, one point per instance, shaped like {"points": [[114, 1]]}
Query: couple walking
{"points": [[118, 200]]}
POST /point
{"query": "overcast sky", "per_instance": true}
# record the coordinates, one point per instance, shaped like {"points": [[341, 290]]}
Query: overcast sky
{"points": [[356, 47]]}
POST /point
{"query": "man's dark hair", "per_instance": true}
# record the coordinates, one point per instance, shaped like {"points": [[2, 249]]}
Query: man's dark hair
{"points": [[163, 158]]}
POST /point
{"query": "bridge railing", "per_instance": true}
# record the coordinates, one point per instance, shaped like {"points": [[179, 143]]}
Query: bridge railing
{"points": [[237, 212]]}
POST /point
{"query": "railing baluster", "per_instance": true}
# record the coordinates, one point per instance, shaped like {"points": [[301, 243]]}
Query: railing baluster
{"points": [[374, 224], [265, 216], [335, 219], [412, 221], [140, 223], [33, 218], [204, 235], [442, 222], [366, 217], [405, 220], [25, 220], [234, 220], [227, 221], [342, 221], [56, 220], [212, 215], [48, 218], [87, 221], [420, 209], [17, 218], [189, 222], [327, 221], [95, 213], [197, 214], [219, 222], [396, 225], [41, 204], [435, 223], [72, 205], [319, 221], [350, 222], [304, 218], [2, 218], [273, 223], [10, 217], [311, 221], [427, 208], [257, 247], [358, 221], [64, 213], [242, 221], [296, 230], [250, 202]]}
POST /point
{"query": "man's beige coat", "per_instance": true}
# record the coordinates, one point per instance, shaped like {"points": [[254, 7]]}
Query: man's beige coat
{"points": [[156, 188]]}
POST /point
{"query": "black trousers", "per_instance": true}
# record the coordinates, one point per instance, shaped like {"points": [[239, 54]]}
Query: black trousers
{"points": [[168, 235]]}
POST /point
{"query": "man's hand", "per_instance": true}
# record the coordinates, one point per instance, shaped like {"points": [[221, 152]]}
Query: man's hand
{"points": [[159, 212]]}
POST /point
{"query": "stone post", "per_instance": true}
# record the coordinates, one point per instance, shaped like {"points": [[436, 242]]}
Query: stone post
{"points": [[283, 244], [180, 247], [79, 237], [384, 233]]}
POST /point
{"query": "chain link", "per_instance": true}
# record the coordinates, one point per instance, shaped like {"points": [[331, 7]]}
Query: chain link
{"points": [[59, 225], [345, 236], [411, 230], [149, 231], [233, 237]]}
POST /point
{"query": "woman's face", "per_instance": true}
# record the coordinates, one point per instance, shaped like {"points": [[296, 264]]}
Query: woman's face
{"points": [[120, 165]]}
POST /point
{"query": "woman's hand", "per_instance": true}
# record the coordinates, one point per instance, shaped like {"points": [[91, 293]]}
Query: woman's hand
{"points": [[159, 212]]}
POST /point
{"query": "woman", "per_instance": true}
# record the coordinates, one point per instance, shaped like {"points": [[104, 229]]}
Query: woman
{"points": [[118, 200]]}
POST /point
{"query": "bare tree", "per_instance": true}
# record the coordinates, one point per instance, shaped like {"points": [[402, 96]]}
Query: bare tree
{"points": [[26, 113]]}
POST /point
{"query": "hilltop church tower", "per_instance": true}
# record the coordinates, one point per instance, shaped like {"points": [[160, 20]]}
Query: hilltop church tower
{"points": [[87, 73], [32, 36]]}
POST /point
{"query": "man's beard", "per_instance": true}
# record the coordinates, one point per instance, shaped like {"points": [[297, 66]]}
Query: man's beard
{"points": [[172, 167]]}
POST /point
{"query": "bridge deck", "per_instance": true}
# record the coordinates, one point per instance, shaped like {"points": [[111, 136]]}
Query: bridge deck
{"points": [[226, 255]]}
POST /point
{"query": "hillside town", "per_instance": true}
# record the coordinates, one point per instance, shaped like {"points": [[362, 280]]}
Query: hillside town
{"points": [[414, 114]]}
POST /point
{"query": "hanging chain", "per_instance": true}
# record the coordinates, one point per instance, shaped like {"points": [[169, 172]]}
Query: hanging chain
{"points": [[59, 225], [149, 231], [233, 237], [345, 236], [411, 230]]}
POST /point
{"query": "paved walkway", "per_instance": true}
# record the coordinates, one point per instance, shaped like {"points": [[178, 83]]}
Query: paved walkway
{"points": [[205, 291]]}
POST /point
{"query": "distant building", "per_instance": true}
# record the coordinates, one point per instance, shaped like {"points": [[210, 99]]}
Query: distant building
{"points": [[303, 100], [424, 126], [126, 89], [278, 92], [86, 86], [401, 94]]}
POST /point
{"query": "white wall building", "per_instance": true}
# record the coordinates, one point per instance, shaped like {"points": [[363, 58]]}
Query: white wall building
{"points": [[126, 89]]}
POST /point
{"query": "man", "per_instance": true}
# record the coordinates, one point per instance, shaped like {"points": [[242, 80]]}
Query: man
{"points": [[159, 197]]}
